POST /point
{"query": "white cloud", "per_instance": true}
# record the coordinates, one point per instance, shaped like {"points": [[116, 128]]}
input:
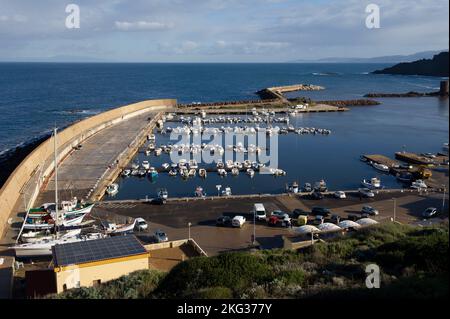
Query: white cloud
{"points": [[142, 26]]}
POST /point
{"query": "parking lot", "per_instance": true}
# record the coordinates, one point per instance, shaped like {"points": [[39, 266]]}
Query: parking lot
{"points": [[174, 217]]}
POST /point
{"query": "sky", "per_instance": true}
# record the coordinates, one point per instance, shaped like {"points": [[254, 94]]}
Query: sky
{"points": [[219, 30]]}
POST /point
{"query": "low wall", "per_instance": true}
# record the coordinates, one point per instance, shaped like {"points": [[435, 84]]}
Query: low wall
{"points": [[37, 166]]}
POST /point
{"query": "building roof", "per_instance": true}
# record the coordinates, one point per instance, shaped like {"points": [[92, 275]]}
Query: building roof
{"points": [[96, 250]]}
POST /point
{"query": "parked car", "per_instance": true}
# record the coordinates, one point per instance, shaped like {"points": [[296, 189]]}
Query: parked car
{"points": [[141, 224], [335, 219], [260, 212], [302, 220], [429, 212], [223, 221], [160, 236], [157, 201], [369, 210], [316, 195], [318, 220], [322, 211], [340, 195], [238, 221], [278, 213], [365, 192], [299, 212]]}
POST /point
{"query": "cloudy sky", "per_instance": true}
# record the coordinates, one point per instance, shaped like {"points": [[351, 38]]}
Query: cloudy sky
{"points": [[219, 30]]}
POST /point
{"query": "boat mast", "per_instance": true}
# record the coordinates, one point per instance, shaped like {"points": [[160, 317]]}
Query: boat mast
{"points": [[56, 183]]}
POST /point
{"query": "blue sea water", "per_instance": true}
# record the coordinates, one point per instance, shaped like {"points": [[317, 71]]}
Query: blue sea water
{"points": [[36, 96]]}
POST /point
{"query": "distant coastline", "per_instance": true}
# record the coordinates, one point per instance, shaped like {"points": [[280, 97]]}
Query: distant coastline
{"points": [[438, 66]]}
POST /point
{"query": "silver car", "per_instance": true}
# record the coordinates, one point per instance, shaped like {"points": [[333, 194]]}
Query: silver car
{"points": [[160, 236], [369, 210]]}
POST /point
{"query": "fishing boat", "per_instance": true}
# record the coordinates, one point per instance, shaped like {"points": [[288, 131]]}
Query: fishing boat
{"points": [[202, 173], [381, 167], [321, 186], [193, 164], [373, 183], [235, 171], [307, 188], [292, 188], [250, 172], [220, 165], [112, 189]]}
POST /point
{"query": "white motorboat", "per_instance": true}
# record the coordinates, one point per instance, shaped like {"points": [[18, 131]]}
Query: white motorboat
{"points": [[292, 188], [235, 171], [229, 164], [36, 236], [250, 172], [419, 184], [134, 172], [226, 191], [145, 165], [173, 172], [112, 189], [222, 172], [192, 172], [165, 166], [220, 165], [373, 183], [126, 172], [135, 165], [193, 164], [158, 151], [163, 193], [381, 167]]}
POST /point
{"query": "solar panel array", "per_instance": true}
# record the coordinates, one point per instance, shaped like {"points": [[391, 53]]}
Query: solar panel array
{"points": [[96, 250]]}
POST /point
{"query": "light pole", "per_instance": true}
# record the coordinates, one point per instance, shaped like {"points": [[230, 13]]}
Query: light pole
{"points": [[443, 199], [395, 208], [189, 230], [254, 227]]}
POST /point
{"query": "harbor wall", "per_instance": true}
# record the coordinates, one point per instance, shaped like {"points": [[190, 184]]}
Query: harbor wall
{"points": [[28, 177]]}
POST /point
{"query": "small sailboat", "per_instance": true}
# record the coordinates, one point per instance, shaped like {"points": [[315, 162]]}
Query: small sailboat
{"points": [[126, 172], [250, 172], [145, 165]]}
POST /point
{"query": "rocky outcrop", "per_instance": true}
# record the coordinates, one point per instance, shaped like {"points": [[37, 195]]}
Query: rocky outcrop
{"points": [[438, 66]]}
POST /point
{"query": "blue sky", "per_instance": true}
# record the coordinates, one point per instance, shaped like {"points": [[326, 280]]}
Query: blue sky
{"points": [[219, 30]]}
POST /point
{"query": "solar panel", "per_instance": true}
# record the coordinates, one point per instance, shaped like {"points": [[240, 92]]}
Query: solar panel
{"points": [[96, 250]]}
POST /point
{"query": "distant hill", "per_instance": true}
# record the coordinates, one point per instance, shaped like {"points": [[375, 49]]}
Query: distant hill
{"points": [[438, 66], [380, 59]]}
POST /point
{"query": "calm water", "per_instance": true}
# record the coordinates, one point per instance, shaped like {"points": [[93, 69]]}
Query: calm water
{"points": [[36, 96]]}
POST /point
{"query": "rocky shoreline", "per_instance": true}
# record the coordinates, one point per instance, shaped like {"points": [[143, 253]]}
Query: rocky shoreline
{"points": [[408, 94]]}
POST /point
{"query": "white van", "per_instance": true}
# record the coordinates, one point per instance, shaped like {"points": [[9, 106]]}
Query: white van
{"points": [[238, 221], [259, 211]]}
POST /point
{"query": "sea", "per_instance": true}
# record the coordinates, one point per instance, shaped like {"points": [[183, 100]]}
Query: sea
{"points": [[37, 96]]}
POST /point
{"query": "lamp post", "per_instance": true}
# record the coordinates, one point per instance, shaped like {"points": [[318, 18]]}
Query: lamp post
{"points": [[443, 199], [395, 208], [189, 230], [254, 228]]}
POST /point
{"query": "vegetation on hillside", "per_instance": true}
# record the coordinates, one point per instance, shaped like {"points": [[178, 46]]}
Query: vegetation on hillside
{"points": [[413, 263]]}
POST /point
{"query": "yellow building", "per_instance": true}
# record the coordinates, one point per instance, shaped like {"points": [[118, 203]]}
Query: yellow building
{"points": [[89, 263]]}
